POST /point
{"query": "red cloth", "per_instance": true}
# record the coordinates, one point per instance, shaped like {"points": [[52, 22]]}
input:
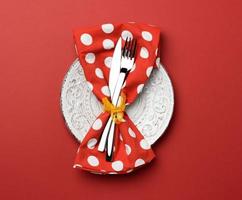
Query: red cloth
{"points": [[95, 47]]}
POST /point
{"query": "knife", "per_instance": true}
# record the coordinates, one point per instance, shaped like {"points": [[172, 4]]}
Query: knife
{"points": [[115, 67], [113, 78], [127, 63]]}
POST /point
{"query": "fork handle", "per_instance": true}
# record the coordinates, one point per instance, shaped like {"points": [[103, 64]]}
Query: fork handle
{"points": [[103, 141], [110, 140]]}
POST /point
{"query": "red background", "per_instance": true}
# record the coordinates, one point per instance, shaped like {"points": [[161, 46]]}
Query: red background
{"points": [[199, 157]]}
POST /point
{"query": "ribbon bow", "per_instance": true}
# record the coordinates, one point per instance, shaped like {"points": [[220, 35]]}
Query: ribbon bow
{"points": [[95, 47], [116, 112]]}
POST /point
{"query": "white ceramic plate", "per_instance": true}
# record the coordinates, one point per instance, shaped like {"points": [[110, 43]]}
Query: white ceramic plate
{"points": [[151, 112]]}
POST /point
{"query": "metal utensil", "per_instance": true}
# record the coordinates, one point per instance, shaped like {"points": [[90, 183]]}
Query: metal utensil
{"points": [[113, 78], [127, 62]]}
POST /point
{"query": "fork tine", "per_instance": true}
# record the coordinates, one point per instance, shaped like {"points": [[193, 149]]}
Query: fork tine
{"points": [[133, 51], [128, 47], [125, 47]]}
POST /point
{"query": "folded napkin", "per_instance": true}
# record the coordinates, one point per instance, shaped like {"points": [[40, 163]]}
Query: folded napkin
{"points": [[95, 46]]}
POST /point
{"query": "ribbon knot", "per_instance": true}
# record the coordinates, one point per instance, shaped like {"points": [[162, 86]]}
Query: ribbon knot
{"points": [[116, 112]]}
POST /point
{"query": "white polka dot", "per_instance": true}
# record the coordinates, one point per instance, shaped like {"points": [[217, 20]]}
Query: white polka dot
{"points": [[149, 70], [117, 165], [157, 62], [99, 73], [77, 166], [93, 161], [156, 51], [90, 85], [147, 35], [107, 28], [129, 171], [91, 143], [90, 58], [86, 39], [120, 137], [97, 124], [133, 68], [139, 88], [144, 144], [144, 52], [105, 91], [131, 133], [139, 162], [126, 34], [127, 149], [112, 173], [108, 62], [108, 44]]}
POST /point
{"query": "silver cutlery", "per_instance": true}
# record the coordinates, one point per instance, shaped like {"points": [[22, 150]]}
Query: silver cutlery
{"points": [[127, 62], [113, 78]]}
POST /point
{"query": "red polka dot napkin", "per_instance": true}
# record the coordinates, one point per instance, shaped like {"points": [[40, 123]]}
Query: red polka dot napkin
{"points": [[95, 46]]}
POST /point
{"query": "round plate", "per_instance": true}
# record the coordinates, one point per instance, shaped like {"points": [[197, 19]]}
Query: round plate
{"points": [[151, 112]]}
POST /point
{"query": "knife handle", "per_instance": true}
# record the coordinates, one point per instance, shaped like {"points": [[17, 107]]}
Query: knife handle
{"points": [[115, 102], [106, 134], [102, 142]]}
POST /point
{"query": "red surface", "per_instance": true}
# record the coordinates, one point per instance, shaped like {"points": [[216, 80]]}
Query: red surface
{"points": [[200, 156]]}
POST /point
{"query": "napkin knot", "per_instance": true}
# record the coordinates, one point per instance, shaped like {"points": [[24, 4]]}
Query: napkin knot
{"points": [[116, 112]]}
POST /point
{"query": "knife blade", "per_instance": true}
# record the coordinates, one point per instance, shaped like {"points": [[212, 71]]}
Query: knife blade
{"points": [[113, 78], [115, 67]]}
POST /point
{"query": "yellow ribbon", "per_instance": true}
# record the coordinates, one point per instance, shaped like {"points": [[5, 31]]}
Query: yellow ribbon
{"points": [[116, 112]]}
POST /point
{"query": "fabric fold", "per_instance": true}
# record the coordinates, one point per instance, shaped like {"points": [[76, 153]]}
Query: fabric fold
{"points": [[95, 47]]}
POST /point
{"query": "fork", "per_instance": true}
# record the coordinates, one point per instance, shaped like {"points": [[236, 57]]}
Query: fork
{"points": [[127, 62]]}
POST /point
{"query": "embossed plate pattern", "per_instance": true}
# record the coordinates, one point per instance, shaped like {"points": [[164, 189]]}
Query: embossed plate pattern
{"points": [[151, 112]]}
